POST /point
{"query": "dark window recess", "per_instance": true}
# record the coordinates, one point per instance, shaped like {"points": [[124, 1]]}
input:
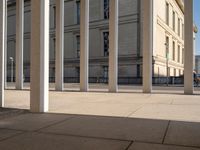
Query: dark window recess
{"points": [[106, 9], [78, 11], [106, 43], [138, 71], [78, 45]]}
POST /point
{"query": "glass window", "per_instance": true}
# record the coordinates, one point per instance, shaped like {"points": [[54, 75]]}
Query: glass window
{"points": [[179, 60], [106, 43], [78, 11], [78, 45], [77, 71], [167, 47], [106, 9], [183, 31], [174, 72], [167, 13], [183, 56], [138, 70], [54, 16], [105, 74], [174, 49], [179, 26], [174, 17]]}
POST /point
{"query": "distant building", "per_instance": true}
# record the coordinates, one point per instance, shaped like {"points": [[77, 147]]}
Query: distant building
{"points": [[197, 64]]}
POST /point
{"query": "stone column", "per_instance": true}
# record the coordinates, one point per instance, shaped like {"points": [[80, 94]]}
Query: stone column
{"points": [[194, 49], [39, 99], [189, 53], [84, 47], [2, 49], [59, 44], [19, 43], [113, 46], [147, 43], [5, 47]]}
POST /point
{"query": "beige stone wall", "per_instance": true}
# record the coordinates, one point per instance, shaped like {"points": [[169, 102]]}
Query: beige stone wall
{"points": [[163, 30]]}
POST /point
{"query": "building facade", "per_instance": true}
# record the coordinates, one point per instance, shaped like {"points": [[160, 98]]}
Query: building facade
{"points": [[168, 51], [197, 64], [39, 47]]}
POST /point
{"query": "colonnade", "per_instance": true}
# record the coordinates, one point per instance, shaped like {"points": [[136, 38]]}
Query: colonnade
{"points": [[40, 47]]}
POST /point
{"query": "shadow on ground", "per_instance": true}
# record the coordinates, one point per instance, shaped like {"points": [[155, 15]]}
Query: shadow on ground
{"points": [[22, 130]]}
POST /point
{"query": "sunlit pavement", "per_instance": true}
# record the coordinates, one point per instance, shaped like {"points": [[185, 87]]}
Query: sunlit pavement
{"points": [[98, 120]]}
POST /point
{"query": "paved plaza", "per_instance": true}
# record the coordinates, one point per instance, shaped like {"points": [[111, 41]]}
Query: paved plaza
{"points": [[98, 120]]}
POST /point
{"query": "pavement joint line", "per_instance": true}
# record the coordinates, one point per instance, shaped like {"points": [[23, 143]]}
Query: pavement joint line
{"points": [[172, 101], [15, 115], [148, 142], [11, 129], [186, 146], [130, 114], [165, 134], [185, 104], [82, 136], [15, 135], [131, 143], [166, 144], [50, 125]]}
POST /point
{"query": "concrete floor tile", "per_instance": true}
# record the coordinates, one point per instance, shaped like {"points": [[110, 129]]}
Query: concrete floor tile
{"points": [[31, 122], [164, 105], [183, 133], [145, 146], [111, 127], [6, 112], [99, 109], [35, 141], [4, 133], [17, 99], [169, 112]]}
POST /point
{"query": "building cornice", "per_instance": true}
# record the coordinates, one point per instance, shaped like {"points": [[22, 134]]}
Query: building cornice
{"points": [[181, 4]]}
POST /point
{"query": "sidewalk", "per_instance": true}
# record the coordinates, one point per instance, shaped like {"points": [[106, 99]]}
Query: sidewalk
{"points": [[128, 120]]}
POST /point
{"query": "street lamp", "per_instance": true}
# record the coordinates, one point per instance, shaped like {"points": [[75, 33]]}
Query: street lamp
{"points": [[167, 61], [11, 69]]}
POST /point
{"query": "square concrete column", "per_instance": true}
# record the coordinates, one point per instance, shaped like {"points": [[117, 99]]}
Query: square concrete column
{"points": [[2, 49], [19, 43], [189, 53], [5, 47], [59, 44], [147, 43], [84, 45], [113, 45], [39, 98]]}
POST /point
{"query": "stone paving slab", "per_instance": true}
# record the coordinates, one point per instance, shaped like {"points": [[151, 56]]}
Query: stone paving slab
{"points": [[31, 122], [35, 141], [5, 133], [147, 146], [130, 104], [7, 113], [113, 128], [169, 112], [102, 109], [183, 133]]}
